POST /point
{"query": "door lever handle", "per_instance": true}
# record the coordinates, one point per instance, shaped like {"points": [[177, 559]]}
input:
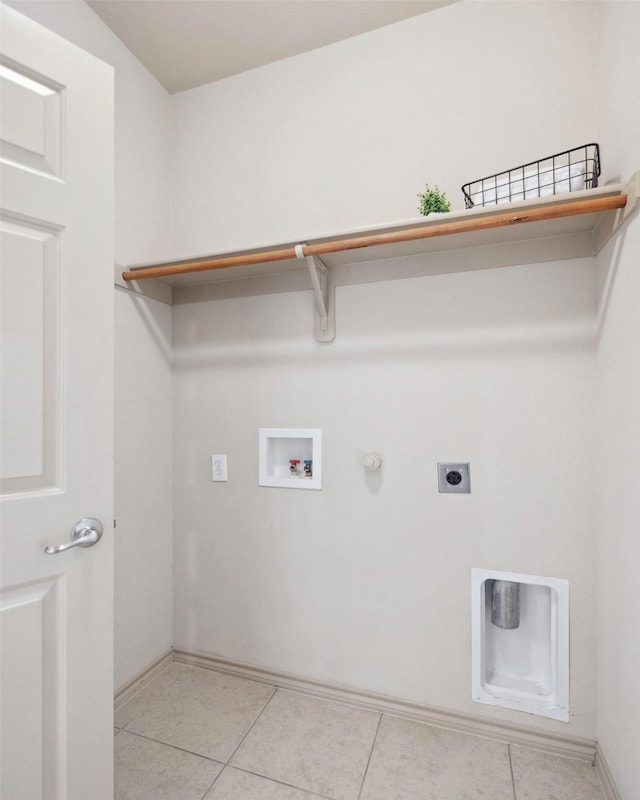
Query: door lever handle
{"points": [[85, 533]]}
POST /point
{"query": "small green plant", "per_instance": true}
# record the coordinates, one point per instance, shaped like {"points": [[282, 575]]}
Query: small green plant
{"points": [[432, 200]]}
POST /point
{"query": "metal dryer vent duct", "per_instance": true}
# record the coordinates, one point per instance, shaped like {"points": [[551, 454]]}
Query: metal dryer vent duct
{"points": [[505, 604]]}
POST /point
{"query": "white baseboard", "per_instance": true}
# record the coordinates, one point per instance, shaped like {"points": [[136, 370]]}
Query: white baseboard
{"points": [[606, 776], [572, 746], [127, 690]]}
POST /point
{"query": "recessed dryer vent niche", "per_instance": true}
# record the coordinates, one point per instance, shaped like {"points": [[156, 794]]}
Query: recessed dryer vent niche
{"points": [[290, 458], [520, 642]]}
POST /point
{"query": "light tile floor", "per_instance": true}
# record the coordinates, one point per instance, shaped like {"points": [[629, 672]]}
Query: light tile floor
{"points": [[196, 734]]}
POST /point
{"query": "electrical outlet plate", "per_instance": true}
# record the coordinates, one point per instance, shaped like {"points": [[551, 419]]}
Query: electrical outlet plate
{"points": [[454, 477], [219, 468]]}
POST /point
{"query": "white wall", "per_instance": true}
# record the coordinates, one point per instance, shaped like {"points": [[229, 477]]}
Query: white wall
{"points": [[143, 484], [618, 74], [618, 634], [143, 551], [347, 135], [366, 583], [619, 510], [363, 584]]}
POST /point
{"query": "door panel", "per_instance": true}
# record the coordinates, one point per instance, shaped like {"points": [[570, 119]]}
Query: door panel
{"points": [[31, 109], [31, 696], [56, 285], [29, 317]]}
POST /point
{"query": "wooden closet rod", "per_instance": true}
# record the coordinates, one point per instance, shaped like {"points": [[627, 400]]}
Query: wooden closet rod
{"points": [[426, 231]]}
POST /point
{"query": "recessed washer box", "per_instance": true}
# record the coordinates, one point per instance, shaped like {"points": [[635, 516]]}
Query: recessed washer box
{"points": [[278, 447]]}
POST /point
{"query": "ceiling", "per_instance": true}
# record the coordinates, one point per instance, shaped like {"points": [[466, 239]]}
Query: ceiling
{"points": [[187, 43]]}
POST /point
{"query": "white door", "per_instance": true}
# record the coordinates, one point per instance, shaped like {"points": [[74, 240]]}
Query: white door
{"points": [[56, 415]]}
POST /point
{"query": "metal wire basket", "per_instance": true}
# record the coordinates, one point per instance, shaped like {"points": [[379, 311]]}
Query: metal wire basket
{"points": [[568, 171]]}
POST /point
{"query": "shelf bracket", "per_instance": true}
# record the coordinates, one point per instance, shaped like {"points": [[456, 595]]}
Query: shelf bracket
{"points": [[610, 223], [324, 295]]}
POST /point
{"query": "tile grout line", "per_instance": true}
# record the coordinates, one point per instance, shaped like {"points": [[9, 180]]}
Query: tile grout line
{"points": [[275, 691], [213, 783], [310, 792], [373, 744], [173, 747], [513, 780]]}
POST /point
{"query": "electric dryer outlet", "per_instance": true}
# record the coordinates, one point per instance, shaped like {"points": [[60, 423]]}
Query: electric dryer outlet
{"points": [[454, 477]]}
